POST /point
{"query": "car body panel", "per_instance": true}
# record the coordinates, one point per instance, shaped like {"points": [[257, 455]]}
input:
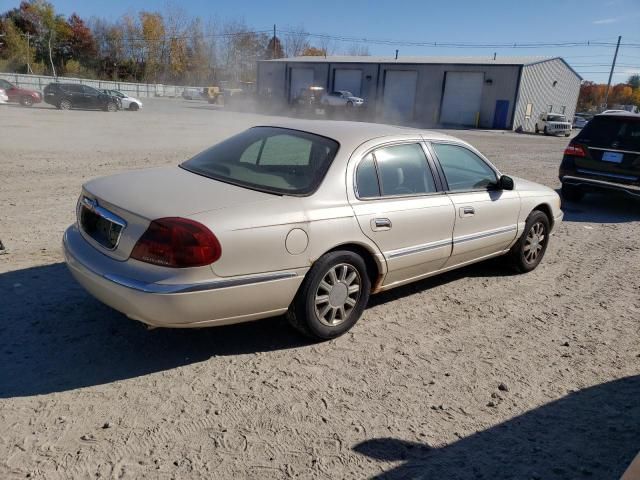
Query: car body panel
{"points": [[270, 241]]}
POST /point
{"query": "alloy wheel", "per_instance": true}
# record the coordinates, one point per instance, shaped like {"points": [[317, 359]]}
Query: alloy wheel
{"points": [[337, 294], [534, 244]]}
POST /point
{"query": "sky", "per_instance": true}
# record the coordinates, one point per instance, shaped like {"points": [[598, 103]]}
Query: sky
{"points": [[476, 22]]}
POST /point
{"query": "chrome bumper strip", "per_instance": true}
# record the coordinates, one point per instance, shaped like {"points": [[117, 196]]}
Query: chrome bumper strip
{"points": [[631, 189], [489, 233], [160, 288], [418, 248], [604, 174]]}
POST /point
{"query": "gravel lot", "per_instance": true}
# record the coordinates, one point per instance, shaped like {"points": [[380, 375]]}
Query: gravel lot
{"points": [[475, 374]]}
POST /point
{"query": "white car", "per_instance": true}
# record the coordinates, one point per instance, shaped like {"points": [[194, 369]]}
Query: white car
{"points": [[128, 103], [306, 218], [4, 98], [580, 121], [342, 98], [553, 124]]}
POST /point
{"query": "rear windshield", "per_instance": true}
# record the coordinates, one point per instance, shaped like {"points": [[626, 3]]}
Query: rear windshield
{"points": [[612, 132], [269, 159]]}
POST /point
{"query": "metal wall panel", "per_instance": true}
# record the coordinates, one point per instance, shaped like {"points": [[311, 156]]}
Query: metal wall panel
{"points": [[549, 83]]}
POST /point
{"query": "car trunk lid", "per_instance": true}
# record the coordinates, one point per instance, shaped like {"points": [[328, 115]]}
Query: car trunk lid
{"points": [[113, 212]]}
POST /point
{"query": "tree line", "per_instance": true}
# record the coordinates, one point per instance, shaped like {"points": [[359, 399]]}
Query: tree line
{"points": [[592, 95], [166, 46]]}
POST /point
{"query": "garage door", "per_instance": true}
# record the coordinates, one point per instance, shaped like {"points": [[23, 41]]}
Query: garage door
{"points": [[347, 79], [301, 78], [399, 95], [462, 98]]}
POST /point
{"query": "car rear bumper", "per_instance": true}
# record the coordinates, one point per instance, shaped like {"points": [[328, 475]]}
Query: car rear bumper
{"points": [[597, 184], [219, 301]]}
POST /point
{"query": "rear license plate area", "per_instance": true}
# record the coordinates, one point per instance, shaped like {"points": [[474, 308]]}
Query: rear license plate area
{"points": [[103, 231], [613, 157]]}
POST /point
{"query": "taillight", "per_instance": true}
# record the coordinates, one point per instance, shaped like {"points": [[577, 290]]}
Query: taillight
{"points": [[177, 243], [575, 150]]}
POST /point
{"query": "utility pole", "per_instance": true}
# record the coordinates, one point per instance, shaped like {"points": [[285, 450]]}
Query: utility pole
{"points": [[613, 66]]}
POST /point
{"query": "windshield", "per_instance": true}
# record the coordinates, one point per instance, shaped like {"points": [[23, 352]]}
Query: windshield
{"points": [[556, 118], [612, 132], [269, 159]]}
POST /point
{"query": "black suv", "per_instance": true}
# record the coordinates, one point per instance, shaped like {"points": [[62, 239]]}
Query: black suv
{"points": [[72, 95], [605, 155]]}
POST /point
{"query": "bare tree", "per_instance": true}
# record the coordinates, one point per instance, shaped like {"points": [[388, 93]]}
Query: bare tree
{"points": [[296, 41], [357, 50]]}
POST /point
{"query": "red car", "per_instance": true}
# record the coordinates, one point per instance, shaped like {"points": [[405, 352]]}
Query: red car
{"points": [[24, 96]]}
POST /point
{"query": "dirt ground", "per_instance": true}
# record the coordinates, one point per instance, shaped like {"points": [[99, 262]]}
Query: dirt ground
{"points": [[479, 373]]}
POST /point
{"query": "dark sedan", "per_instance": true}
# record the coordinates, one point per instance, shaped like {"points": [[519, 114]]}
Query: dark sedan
{"points": [[65, 96]]}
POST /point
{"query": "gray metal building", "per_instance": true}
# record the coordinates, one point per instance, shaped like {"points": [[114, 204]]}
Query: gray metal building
{"points": [[502, 92]]}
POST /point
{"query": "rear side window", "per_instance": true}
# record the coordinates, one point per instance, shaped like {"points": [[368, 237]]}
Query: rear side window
{"points": [[395, 171], [270, 159], [367, 178], [73, 88], [463, 169], [612, 132]]}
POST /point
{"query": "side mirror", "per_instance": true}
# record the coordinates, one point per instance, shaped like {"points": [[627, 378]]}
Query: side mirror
{"points": [[505, 183]]}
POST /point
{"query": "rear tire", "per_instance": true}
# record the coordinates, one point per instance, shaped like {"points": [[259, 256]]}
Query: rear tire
{"points": [[527, 253], [26, 101], [537, 129], [573, 193], [64, 104], [332, 297]]}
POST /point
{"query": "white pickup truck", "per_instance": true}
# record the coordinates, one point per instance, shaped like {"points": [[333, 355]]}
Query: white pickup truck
{"points": [[553, 124]]}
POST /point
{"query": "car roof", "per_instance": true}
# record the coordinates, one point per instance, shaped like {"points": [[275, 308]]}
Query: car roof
{"points": [[356, 133], [618, 113]]}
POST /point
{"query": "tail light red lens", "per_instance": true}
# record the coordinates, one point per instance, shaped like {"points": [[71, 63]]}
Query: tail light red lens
{"points": [[575, 150], [177, 243]]}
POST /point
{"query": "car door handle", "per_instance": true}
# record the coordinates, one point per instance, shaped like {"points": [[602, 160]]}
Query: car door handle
{"points": [[467, 211], [378, 224]]}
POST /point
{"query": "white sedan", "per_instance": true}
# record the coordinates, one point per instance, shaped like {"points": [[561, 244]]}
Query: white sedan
{"points": [[4, 98], [305, 219], [341, 98], [128, 103]]}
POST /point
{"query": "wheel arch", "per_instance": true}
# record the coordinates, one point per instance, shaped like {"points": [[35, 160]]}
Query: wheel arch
{"points": [[376, 269], [546, 209]]}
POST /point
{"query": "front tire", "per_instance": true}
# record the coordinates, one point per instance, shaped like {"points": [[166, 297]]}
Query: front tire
{"points": [[332, 297], [527, 253], [537, 129], [26, 101], [134, 107], [111, 107], [545, 131]]}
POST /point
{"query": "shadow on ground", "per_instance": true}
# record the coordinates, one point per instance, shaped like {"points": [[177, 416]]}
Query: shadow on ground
{"points": [[593, 433], [602, 208], [55, 337]]}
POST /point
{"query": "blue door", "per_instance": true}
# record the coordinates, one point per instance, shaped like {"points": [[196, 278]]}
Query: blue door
{"points": [[500, 115]]}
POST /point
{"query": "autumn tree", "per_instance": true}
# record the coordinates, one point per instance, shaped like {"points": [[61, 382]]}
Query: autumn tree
{"points": [[313, 52], [634, 81], [274, 49], [82, 44]]}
